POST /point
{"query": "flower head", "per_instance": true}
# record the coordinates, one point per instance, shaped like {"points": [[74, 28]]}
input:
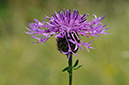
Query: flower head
{"points": [[67, 26]]}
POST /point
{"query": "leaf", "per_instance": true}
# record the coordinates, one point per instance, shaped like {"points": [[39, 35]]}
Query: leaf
{"points": [[76, 63], [65, 69], [77, 67]]}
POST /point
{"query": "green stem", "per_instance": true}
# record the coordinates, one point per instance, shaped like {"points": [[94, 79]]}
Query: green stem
{"points": [[70, 66]]}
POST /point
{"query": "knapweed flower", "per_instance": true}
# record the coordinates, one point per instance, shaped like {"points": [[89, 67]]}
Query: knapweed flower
{"points": [[67, 26]]}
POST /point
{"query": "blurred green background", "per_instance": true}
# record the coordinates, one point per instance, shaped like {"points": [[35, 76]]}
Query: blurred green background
{"points": [[24, 63]]}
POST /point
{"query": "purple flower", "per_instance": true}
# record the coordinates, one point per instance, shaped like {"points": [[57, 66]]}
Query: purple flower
{"points": [[67, 26]]}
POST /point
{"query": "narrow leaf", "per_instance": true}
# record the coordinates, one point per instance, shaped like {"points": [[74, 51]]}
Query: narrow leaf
{"points": [[77, 67], [76, 63], [65, 69]]}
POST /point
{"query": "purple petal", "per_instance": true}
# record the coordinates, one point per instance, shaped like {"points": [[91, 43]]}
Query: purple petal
{"points": [[102, 17]]}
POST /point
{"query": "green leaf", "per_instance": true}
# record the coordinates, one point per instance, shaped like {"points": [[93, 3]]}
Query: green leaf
{"points": [[65, 69], [76, 63], [77, 67]]}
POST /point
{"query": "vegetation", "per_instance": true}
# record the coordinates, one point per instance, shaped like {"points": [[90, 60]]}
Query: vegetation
{"points": [[25, 63]]}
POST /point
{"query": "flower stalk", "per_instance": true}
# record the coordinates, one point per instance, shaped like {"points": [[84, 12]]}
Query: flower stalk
{"points": [[70, 66]]}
